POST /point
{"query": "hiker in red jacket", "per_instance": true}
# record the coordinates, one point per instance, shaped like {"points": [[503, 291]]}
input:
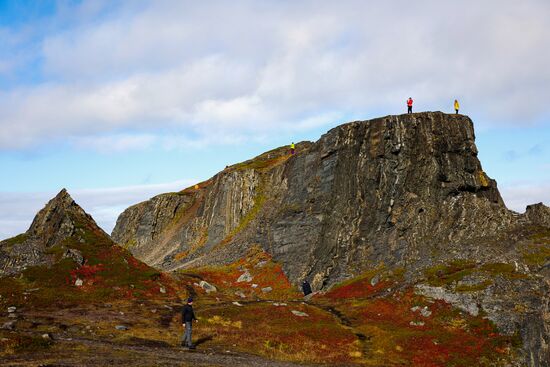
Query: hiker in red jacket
{"points": [[410, 105]]}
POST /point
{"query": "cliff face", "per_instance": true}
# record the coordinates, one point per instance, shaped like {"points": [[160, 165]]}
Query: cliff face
{"points": [[391, 190], [405, 193]]}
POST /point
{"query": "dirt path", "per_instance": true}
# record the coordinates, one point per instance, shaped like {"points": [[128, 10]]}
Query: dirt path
{"points": [[91, 352]]}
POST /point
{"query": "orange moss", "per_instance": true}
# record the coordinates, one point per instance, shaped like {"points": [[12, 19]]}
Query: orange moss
{"points": [[273, 331], [443, 336], [358, 289], [265, 273]]}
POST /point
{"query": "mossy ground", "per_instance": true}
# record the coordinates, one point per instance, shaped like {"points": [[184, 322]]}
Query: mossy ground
{"points": [[370, 320]]}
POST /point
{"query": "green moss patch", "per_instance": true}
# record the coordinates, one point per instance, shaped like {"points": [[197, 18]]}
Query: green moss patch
{"points": [[473, 287], [12, 344], [15, 240], [537, 254], [450, 273]]}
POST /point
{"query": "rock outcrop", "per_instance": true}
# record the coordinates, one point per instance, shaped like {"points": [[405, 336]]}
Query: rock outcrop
{"points": [[404, 193], [392, 190], [59, 220]]}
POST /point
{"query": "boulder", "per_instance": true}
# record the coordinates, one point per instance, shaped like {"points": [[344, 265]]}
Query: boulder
{"points": [[207, 286], [9, 325], [245, 277], [538, 214], [299, 313]]}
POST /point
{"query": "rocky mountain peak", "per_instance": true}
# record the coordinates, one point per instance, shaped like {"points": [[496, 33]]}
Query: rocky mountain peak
{"points": [[58, 219]]}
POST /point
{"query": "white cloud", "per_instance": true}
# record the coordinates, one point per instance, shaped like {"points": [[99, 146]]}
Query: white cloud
{"points": [[247, 68], [105, 205], [115, 143]]}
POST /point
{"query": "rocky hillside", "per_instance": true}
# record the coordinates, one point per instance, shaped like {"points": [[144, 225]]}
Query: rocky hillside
{"points": [[399, 194], [65, 256], [59, 220]]}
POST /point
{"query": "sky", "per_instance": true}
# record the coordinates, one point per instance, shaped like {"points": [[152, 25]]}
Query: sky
{"points": [[118, 101]]}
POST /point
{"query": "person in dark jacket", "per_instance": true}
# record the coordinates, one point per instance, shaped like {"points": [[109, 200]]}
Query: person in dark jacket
{"points": [[306, 287], [187, 318]]}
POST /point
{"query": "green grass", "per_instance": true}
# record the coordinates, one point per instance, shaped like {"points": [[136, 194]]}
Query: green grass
{"points": [[13, 344], [265, 161], [537, 254], [473, 287], [259, 201], [15, 240], [450, 273], [541, 235]]}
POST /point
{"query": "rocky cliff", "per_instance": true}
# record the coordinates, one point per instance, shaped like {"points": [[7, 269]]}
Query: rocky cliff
{"points": [[405, 193], [399, 190]]}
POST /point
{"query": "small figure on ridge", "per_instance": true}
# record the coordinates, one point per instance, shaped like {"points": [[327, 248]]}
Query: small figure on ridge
{"points": [[410, 105], [457, 106], [292, 148]]}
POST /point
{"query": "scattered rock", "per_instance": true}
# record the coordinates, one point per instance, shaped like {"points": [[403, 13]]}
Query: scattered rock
{"points": [[254, 285], [121, 327], [12, 309], [79, 282], [425, 312], [12, 316], [299, 313], [375, 279], [463, 301], [10, 325], [261, 264], [237, 304], [207, 286], [267, 289], [47, 336], [245, 277], [162, 290], [240, 294], [277, 304], [416, 323], [75, 255]]}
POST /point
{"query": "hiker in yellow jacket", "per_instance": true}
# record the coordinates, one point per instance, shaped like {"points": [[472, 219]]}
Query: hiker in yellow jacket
{"points": [[457, 106], [292, 148]]}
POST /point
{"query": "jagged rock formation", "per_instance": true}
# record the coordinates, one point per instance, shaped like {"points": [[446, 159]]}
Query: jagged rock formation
{"points": [[59, 220], [403, 192]]}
